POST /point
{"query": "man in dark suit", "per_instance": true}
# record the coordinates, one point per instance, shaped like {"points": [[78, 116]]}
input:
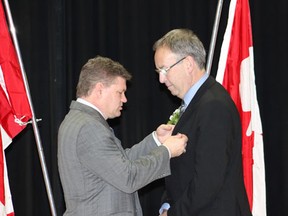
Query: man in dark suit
{"points": [[98, 176], [208, 179]]}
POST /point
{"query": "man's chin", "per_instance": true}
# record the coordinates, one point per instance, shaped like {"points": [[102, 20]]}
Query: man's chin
{"points": [[115, 116], [172, 90], [173, 93]]}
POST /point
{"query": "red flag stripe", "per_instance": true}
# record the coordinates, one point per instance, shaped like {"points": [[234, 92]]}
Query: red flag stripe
{"points": [[13, 86], [236, 73], [14, 107]]}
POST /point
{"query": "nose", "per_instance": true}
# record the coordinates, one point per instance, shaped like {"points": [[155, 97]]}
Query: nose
{"points": [[162, 78], [124, 99]]}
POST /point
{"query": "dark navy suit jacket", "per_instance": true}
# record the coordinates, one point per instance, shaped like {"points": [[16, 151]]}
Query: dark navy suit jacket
{"points": [[208, 179]]}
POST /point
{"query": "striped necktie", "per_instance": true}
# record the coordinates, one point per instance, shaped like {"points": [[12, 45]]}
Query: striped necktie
{"points": [[182, 108]]}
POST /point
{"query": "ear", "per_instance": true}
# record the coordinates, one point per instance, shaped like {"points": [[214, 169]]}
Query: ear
{"points": [[98, 89], [190, 64]]}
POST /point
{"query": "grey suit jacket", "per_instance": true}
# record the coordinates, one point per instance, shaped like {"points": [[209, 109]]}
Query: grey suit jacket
{"points": [[98, 176]]}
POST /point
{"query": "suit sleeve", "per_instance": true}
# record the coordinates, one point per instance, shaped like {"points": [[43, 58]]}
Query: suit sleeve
{"points": [[101, 152], [143, 148]]}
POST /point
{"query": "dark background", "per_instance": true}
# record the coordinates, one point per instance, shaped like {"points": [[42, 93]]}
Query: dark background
{"points": [[56, 37]]}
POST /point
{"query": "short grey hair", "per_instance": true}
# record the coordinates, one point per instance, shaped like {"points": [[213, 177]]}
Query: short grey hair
{"points": [[183, 42]]}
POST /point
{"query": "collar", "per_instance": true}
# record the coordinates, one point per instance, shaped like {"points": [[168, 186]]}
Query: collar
{"points": [[192, 91], [81, 100]]}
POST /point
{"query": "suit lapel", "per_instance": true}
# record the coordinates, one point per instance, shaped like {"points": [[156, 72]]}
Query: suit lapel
{"points": [[191, 106]]}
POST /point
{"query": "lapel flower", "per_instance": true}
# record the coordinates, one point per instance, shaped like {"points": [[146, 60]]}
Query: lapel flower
{"points": [[174, 117]]}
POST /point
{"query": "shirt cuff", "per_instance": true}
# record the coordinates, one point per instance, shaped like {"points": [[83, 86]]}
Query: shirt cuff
{"points": [[156, 139], [165, 206], [159, 143]]}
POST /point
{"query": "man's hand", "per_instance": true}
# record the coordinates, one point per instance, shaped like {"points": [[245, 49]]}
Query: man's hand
{"points": [[176, 144], [163, 132]]}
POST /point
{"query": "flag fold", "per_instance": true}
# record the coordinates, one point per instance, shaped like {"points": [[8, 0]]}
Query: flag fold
{"points": [[236, 74], [14, 107]]}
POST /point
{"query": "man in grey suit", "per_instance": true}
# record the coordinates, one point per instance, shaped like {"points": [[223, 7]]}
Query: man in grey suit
{"points": [[98, 176]]}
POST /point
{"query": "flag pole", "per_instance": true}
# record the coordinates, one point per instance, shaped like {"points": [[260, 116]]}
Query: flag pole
{"points": [[214, 36], [34, 121]]}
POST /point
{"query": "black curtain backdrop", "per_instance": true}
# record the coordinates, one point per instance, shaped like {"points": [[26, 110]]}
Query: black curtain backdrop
{"points": [[56, 37]]}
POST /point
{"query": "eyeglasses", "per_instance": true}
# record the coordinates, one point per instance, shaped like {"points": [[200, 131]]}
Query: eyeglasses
{"points": [[164, 71]]}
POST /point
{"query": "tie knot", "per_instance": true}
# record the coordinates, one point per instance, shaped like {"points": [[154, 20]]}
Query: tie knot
{"points": [[182, 107]]}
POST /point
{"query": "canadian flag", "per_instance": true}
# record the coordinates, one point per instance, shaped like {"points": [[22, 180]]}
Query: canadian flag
{"points": [[236, 74], [15, 110]]}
